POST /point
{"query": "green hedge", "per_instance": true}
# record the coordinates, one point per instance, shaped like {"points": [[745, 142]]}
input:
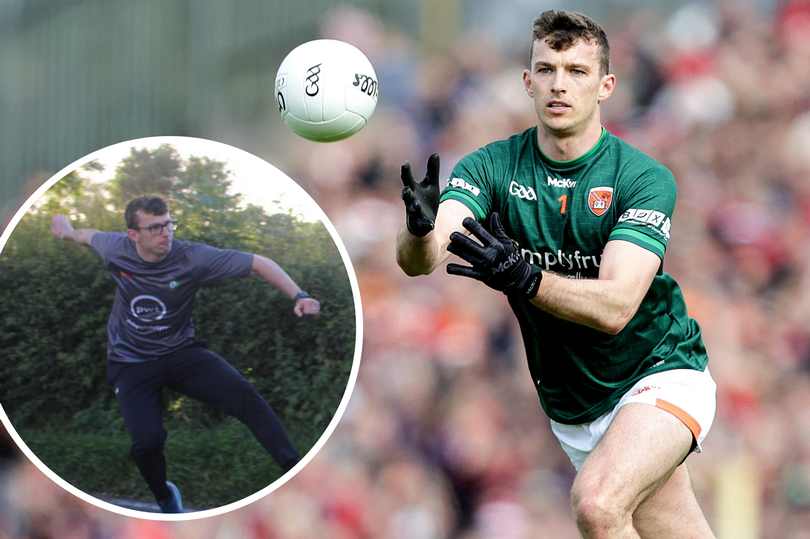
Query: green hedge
{"points": [[55, 298]]}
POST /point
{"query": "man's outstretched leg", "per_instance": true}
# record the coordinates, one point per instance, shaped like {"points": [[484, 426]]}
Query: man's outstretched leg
{"points": [[639, 461], [204, 376]]}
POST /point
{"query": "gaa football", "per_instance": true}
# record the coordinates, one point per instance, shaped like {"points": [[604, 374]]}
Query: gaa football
{"points": [[326, 90]]}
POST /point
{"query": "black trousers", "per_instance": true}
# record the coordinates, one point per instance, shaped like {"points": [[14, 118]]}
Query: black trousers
{"points": [[202, 375]]}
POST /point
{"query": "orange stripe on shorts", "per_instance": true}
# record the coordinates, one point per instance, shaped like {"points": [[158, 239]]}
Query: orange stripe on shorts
{"points": [[687, 419]]}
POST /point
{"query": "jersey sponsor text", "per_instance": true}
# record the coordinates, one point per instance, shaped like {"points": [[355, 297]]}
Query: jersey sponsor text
{"points": [[560, 260], [148, 308], [565, 183], [463, 184], [654, 219], [142, 328]]}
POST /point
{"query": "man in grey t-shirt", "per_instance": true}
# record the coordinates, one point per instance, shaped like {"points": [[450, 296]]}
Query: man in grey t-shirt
{"points": [[150, 338]]}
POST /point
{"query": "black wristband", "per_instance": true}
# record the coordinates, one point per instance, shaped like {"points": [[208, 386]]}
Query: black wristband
{"points": [[300, 295]]}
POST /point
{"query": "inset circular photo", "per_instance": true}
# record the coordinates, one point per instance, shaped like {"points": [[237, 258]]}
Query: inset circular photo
{"points": [[180, 328]]}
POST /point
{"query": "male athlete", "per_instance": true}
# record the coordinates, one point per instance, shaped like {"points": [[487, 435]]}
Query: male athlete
{"points": [[578, 222], [151, 343]]}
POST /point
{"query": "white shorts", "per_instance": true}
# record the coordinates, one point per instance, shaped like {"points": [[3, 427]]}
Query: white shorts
{"points": [[688, 394]]}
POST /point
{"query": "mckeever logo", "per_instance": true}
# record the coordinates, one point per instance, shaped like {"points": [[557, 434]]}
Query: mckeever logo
{"points": [[565, 183], [312, 79], [147, 308], [525, 193], [506, 264]]}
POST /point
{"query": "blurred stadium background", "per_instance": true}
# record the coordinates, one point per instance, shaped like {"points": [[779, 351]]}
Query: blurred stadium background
{"points": [[444, 436]]}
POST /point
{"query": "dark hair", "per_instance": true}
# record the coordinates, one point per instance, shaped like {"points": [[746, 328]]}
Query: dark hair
{"points": [[562, 29], [149, 204]]}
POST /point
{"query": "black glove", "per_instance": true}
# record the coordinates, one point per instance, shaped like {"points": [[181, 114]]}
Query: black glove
{"points": [[497, 263], [421, 199]]}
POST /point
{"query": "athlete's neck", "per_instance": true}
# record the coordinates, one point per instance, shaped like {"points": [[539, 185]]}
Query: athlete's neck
{"points": [[560, 147]]}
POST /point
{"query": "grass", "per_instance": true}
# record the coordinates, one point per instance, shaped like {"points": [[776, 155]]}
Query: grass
{"points": [[212, 465]]}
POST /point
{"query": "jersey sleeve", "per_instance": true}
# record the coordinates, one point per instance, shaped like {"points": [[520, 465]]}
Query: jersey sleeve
{"points": [[469, 183], [646, 208], [213, 264], [107, 244]]}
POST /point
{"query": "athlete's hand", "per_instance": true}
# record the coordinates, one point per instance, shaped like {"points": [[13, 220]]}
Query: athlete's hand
{"points": [[306, 306], [61, 227], [421, 198], [497, 262]]}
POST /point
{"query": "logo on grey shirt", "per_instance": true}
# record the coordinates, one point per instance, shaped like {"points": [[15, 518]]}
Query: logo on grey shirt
{"points": [[147, 308]]}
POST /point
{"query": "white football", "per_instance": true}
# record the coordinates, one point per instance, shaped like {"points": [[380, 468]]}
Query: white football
{"points": [[326, 90]]}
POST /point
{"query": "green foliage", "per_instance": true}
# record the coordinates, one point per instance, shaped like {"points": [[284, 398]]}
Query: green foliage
{"points": [[55, 298], [54, 304], [212, 466], [145, 172]]}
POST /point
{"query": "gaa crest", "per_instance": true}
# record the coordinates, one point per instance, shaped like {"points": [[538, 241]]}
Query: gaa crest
{"points": [[599, 199]]}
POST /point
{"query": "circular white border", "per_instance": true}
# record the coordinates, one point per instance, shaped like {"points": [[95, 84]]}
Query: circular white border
{"points": [[181, 143]]}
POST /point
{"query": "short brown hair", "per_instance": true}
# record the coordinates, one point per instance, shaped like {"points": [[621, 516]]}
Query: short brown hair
{"points": [[149, 204], [560, 29]]}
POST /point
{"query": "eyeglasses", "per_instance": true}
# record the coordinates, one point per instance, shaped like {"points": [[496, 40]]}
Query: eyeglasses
{"points": [[157, 228]]}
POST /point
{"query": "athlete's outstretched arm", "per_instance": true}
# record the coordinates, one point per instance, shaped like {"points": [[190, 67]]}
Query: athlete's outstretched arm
{"points": [[423, 238], [62, 229], [606, 303], [420, 255], [274, 275], [609, 302]]}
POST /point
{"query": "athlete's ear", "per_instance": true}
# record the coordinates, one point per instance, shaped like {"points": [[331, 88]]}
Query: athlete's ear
{"points": [[132, 235], [527, 82], [607, 85]]}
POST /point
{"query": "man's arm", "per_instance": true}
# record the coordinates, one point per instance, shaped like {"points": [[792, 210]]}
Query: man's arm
{"points": [[606, 303], [274, 275], [424, 236], [609, 302], [420, 255], [62, 229]]}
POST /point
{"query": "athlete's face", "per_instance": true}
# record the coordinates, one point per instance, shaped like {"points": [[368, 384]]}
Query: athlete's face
{"points": [[566, 87], [152, 247]]}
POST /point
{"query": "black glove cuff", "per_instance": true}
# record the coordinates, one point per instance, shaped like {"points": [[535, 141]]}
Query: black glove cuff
{"points": [[419, 230], [532, 284]]}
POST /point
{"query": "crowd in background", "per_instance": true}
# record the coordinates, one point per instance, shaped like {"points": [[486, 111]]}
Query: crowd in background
{"points": [[444, 436]]}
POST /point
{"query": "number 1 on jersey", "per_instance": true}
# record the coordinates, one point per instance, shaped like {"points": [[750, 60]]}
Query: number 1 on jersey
{"points": [[563, 201]]}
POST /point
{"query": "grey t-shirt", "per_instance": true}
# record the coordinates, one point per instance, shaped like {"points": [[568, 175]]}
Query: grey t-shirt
{"points": [[151, 314]]}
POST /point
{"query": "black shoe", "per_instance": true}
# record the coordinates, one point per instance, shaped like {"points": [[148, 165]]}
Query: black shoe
{"points": [[173, 504]]}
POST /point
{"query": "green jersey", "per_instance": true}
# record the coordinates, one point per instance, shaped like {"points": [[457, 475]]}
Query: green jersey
{"points": [[561, 215]]}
